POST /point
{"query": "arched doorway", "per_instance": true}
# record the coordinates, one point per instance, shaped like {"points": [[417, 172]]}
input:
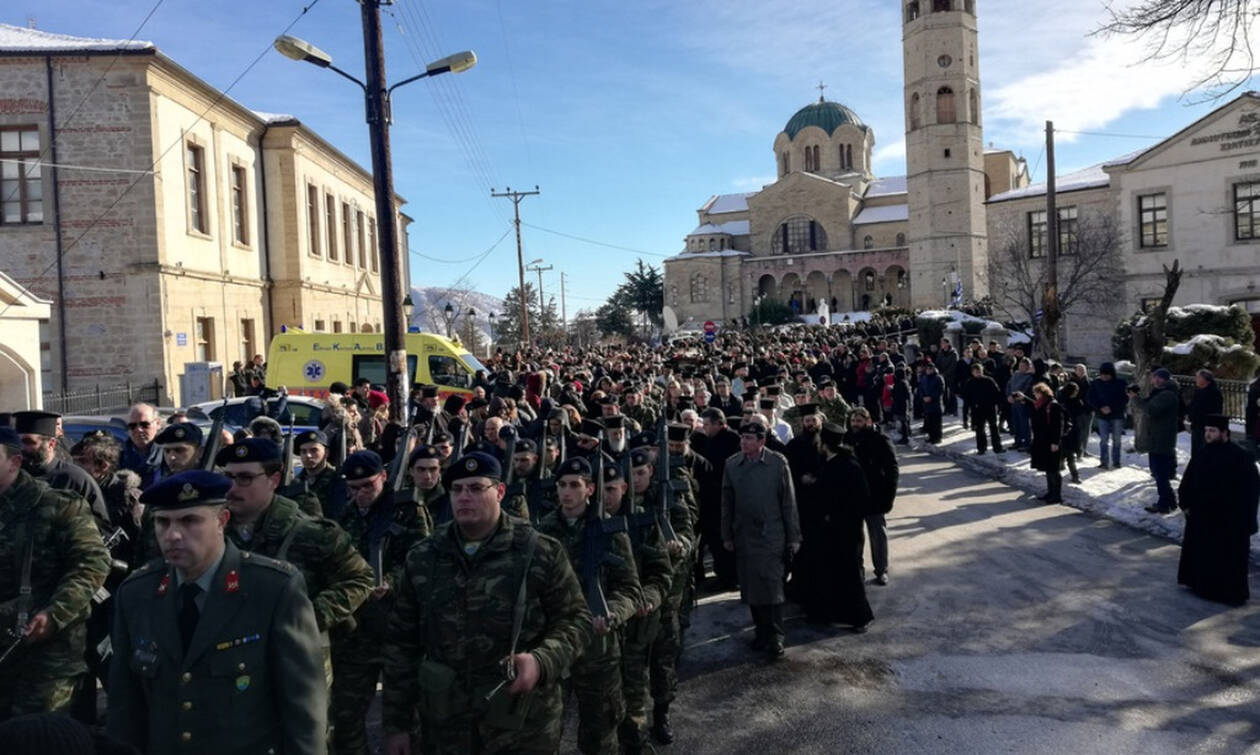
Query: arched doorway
{"points": [[868, 293], [18, 388], [792, 293], [897, 284], [842, 291], [815, 292], [766, 287]]}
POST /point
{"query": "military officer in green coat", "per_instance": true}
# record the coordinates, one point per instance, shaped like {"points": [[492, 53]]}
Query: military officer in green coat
{"points": [[215, 651], [486, 622], [52, 560]]}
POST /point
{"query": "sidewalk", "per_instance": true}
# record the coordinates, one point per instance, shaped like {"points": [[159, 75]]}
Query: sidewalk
{"points": [[1118, 494]]}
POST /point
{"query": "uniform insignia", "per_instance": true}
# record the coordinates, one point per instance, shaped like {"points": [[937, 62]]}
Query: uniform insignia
{"points": [[242, 451], [164, 585], [180, 433], [229, 644], [242, 682], [233, 581], [187, 493], [358, 471], [470, 465]]}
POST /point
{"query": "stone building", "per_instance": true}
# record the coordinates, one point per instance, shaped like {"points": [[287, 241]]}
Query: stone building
{"points": [[22, 363], [830, 234], [167, 222], [1194, 196]]}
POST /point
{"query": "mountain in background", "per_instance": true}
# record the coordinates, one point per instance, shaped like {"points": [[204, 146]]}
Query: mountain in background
{"points": [[429, 314]]}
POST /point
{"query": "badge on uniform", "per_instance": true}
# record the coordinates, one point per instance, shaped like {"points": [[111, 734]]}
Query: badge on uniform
{"points": [[242, 682], [233, 582], [164, 585]]}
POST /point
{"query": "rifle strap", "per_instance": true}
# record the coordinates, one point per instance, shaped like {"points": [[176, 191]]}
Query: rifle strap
{"points": [[24, 589], [283, 553], [518, 611]]}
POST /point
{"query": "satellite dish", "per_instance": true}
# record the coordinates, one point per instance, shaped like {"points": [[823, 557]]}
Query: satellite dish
{"points": [[671, 319]]}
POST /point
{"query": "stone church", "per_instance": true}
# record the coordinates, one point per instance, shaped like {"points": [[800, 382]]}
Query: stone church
{"points": [[830, 235]]}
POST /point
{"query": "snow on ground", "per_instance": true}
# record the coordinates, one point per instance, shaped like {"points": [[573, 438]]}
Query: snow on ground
{"points": [[1119, 494]]}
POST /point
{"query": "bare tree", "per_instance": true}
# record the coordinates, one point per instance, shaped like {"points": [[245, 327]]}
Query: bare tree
{"points": [[1089, 271], [1148, 329], [1212, 35]]}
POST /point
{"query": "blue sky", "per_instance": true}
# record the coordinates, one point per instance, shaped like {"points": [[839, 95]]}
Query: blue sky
{"points": [[630, 115]]}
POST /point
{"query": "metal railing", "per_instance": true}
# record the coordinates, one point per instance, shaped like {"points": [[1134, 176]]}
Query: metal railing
{"points": [[102, 399], [1234, 393]]}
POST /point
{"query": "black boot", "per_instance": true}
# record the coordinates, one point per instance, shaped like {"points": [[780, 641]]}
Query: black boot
{"points": [[661, 730]]}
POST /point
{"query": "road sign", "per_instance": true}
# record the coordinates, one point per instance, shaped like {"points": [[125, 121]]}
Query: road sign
{"points": [[710, 331]]}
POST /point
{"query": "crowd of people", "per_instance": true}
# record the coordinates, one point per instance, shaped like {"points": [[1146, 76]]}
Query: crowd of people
{"points": [[534, 544]]}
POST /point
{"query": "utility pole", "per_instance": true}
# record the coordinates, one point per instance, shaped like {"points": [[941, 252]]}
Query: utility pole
{"points": [[1050, 307], [542, 304], [564, 318], [516, 197]]}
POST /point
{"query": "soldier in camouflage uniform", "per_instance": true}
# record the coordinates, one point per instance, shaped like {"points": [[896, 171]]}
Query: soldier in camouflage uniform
{"points": [[338, 580], [383, 531], [318, 478], [484, 594], [656, 575], [528, 490], [832, 405], [596, 678], [55, 530], [637, 408]]}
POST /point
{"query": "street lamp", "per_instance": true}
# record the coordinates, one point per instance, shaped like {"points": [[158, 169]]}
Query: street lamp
{"points": [[377, 98], [409, 307], [472, 323], [490, 346], [448, 313]]}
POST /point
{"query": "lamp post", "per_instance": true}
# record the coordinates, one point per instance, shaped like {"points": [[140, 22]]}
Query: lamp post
{"points": [[377, 99], [490, 346], [448, 314], [408, 308], [472, 324]]}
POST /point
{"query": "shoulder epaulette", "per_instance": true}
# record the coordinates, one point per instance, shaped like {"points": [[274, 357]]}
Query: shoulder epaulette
{"points": [[255, 560]]}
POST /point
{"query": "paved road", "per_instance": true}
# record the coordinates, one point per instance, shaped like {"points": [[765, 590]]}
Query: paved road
{"points": [[1008, 627]]}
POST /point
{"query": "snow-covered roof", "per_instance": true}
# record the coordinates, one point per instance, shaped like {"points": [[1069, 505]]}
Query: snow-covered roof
{"points": [[720, 203], [890, 214], [272, 119], [1093, 177], [884, 186], [694, 255], [733, 228], [19, 39]]}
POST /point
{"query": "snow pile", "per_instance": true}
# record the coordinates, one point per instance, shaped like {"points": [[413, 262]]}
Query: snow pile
{"points": [[1119, 494], [22, 39], [1203, 339]]}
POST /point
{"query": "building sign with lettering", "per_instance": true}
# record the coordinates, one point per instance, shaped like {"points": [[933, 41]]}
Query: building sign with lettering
{"points": [[1246, 135]]}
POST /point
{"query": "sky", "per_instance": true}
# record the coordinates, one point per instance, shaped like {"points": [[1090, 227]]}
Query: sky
{"points": [[628, 116]]}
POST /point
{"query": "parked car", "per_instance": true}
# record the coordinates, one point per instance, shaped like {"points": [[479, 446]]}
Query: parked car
{"points": [[76, 426], [305, 412]]}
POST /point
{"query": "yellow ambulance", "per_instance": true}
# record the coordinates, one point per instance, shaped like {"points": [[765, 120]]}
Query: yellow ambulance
{"points": [[306, 363]]}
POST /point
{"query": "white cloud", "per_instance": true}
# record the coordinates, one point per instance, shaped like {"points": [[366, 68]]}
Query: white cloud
{"points": [[752, 183], [891, 153]]}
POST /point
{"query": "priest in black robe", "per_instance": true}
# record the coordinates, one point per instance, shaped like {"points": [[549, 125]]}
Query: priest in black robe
{"points": [[834, 591], [1219, 493], [805, 458]]}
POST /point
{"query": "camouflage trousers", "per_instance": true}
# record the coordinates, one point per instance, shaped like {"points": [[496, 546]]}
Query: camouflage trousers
{"points": [[663, 655], [28, 687], [468, 734], [636, 644], [356, 663], [595, 680]]}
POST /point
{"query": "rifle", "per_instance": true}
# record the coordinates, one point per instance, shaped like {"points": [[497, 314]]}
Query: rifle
{"points": [[17, 636], [215, 442], [342, 450], [286, 458], [508, 434], [665, 483], [598, 532]]}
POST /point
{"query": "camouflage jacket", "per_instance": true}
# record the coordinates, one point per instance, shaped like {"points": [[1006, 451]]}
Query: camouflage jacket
{"points": [[651, 554], [619, 577], [69, 563], [683, 522], [643, 414], [327, 488], [338, 580], [391, 529], [835, 410], [457, 609]]}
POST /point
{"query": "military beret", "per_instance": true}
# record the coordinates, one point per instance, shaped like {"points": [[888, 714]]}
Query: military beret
{"points": [[247, 450], [362, 464], [525, 446], [591, 427], [640, 457], [180, 432], [36, 423], [423, 452], [753, 428], [1219, 421], [310, 436], [614, 421], [612, 474], [429, 391], [767, 403], [6, 419], [442, 437], [577, 466], [551, 441], [9, 437], [645, 438], [475, 464], [807, 410], [194, 487], [678, 432], [832, 433]]}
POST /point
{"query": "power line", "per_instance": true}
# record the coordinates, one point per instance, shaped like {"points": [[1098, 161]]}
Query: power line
{"points": [[516, 94], [593, 241], [477, 256], [1107, 133], [221, 96], [62, 166]]}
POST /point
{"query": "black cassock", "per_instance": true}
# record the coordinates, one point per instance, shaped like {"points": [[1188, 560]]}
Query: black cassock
{"points": [[830, 561], [1218, 492]]}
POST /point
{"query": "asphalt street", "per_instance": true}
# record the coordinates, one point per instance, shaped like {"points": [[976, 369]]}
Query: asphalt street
{"points": [[1008, 626]]}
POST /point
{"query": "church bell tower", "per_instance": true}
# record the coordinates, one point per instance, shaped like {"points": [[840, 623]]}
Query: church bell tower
{"points": [[944, 152]]}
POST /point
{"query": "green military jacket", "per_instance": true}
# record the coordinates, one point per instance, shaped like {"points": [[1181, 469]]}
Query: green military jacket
{"points": [[651, 554], [618, 576], [835, 410], [683, 522], [383, 535], [338, 580], [252, 679], [455, 608], [643, 414], [320, 489], [69, 564]]}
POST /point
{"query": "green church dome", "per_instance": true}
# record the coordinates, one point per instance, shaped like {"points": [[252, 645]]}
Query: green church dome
{"points": [[827, 116]]}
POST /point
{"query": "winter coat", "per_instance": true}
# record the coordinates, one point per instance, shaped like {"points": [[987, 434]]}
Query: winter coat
{"points": [[1252, 413], [1158, 433], [1020, 382], [1048, 427], [1109, 393], [983, 396], [759, 516], [933, 387], [947, 364], [874, 451], [1204, 402]]}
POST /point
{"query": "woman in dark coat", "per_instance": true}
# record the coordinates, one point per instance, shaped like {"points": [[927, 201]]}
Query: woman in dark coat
{"points": [[1073, 410], [835, 592], [1047, 439]]}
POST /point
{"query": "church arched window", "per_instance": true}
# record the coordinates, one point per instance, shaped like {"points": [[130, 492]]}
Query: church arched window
{"points": [[809, 160], [817, 160], [797, 235], [868, 242], [942, 5], [848, 156], [699, 288], [914, 111], [945, 106], [722, 245], [970, 7], [973, 106], [787, 163], [912, 10], [712, 245], [901, 239]]}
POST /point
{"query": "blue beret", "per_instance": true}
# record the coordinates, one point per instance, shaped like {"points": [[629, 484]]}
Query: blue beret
{"points": [[310, 436], [9, 437], [577, 466], [639, 457], [247, 450], [475, 464], [526, 446], [195, 487], [423, 452], [612, 474], [180, 432], [642, 439], [361, 464]]}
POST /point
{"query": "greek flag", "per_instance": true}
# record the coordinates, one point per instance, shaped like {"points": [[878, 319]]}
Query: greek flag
{"points": [[958, 293]]}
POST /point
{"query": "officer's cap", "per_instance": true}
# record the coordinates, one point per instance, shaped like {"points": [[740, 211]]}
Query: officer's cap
{"points": [[753, 428], [195, 487], [475, 464], [640, 457], [310, 436], [679, 432], [442, 437], [575, 466], [362, 464], [180, 432], [261, 450], [423, 452], [36, 423]]}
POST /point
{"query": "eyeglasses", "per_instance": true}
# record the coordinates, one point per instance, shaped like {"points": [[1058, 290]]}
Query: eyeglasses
{"points": [[145, 425], [244, 479], [457, 489]]}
